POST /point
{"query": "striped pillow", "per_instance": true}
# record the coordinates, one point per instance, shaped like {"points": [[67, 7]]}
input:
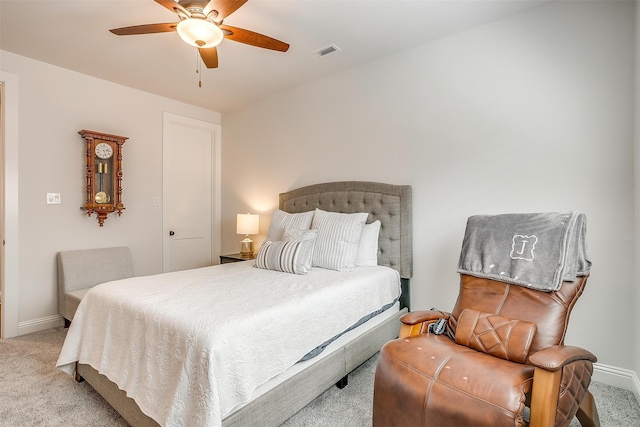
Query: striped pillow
{"points": [[288, 256], [338, 239], [281, 220]]}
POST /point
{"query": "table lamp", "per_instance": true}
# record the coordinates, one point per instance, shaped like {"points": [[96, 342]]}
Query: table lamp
{"points": [[247, 224]]}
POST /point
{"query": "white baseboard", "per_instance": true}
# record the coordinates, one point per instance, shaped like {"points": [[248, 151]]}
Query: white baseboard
{"points": [[617, 377], [35, 325]]}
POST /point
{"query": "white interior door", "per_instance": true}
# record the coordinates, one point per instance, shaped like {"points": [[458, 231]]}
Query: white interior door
{"points": [[190, 193]]}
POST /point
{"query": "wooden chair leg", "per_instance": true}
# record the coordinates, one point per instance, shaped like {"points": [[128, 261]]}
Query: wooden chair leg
{"points": [[587, 412], [544, 397]]}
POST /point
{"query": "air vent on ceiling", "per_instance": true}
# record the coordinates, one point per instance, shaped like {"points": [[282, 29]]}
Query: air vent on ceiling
{"points": [[327, 50]]}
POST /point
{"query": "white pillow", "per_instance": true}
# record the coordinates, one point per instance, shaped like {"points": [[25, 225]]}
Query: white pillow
{"points": [[338, 239], [288, 256], [281, 220], [368, 247]]}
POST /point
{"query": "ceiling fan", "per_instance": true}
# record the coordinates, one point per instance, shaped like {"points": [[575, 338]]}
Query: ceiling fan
{"points": [[201, 26]]}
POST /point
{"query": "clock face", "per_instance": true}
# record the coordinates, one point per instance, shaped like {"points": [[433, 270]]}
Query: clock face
{"points": [[104, 150]]}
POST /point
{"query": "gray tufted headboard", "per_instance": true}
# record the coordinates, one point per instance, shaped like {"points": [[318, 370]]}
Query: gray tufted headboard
{"points": [[391, 204]]}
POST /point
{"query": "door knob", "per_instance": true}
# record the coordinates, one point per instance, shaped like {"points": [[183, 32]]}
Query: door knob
{"points": [[171, 233]]}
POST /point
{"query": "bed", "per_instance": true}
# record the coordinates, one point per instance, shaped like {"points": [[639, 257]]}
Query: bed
{"points": [[281, 395]]}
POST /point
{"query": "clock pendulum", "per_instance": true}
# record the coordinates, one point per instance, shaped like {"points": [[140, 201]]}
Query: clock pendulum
{"points": [[102, 196]]}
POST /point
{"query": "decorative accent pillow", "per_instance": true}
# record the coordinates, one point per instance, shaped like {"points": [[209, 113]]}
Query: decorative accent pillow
{"points": [[338, 239], [499, 336], [281, 220], [368, 247], [288, 256], [295, 234]]}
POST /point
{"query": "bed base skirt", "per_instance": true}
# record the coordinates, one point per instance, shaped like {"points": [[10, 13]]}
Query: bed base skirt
{"points": [[285, 399]]}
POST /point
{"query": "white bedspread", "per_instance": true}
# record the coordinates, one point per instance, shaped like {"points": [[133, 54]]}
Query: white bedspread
{"points": [[190, 346]]}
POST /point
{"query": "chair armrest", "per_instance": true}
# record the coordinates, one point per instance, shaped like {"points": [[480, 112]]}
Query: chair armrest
{"points": [[417, 322], [548, 379], [416, 317], [555, 357]]}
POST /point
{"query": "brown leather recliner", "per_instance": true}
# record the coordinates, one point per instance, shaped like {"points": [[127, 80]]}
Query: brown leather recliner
{"points": [[502, 353]]}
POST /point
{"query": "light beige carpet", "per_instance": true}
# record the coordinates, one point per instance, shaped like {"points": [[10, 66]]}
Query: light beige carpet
{"points": [[34, 393]]}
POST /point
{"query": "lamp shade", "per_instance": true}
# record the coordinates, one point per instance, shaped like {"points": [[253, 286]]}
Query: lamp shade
{"points": [[248, 224], [200, 32]]}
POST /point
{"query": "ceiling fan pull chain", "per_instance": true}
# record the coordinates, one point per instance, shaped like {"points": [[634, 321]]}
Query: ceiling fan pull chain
{"points": [[198, 68]]}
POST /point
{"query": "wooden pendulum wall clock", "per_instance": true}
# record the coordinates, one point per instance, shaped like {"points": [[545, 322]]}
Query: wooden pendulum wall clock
{"points": [[103, 174]]}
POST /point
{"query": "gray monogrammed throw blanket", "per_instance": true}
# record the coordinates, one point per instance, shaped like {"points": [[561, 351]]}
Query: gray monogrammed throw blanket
{"points": [[536, 250]]}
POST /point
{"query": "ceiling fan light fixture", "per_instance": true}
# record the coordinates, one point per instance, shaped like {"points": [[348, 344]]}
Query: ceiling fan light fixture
{"points": [[200, 32]]}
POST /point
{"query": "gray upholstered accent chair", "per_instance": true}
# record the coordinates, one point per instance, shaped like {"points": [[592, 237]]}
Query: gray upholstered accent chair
{"points": [[78, 271]]}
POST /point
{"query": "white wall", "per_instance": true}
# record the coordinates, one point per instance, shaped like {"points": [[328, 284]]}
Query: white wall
{"points": [[54, 104], [532, 113]]}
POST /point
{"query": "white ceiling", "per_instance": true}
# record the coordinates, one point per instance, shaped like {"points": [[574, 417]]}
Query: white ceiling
{"points": [[74, 34]]}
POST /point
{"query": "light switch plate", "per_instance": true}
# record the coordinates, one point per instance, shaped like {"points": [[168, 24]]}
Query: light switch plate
{"points": [[53, 198]]}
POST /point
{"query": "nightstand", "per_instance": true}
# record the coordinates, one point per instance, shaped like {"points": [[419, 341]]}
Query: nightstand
{"points": [[224, 259]]}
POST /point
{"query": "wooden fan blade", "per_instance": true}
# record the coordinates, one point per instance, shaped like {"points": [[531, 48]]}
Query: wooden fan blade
{"points": [[173, 6], [224, 7], [254, 39], [145, 29], [209, 56]]}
